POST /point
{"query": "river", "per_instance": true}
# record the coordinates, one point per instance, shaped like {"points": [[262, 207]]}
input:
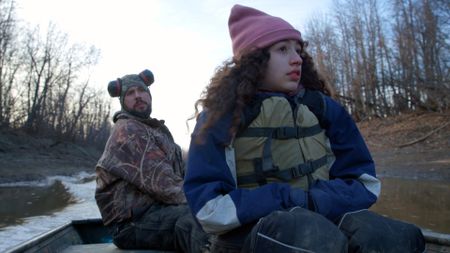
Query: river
{"points": [[32, 208]]}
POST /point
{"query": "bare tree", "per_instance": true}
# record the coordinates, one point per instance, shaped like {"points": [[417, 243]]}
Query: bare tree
{"points": [[80, 59], [323, 45], [385, 59], [422, 41], [44, 83], [97, 120], [9, 64], [44, 66]]}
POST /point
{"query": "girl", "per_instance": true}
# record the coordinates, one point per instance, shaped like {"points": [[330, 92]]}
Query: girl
{"points": [[274, 163]]}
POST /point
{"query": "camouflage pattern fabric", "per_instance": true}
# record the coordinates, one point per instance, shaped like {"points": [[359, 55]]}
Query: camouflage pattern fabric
{"points": [[141, 165]]}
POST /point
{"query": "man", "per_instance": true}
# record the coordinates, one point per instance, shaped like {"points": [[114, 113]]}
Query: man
{"points": [[140, 177]]}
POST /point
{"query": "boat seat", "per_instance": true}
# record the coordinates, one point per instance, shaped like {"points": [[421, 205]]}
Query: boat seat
{"points": [[105, 248]]}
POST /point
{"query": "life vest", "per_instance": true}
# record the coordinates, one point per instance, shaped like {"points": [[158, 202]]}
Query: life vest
{"points": [[283, 141]]}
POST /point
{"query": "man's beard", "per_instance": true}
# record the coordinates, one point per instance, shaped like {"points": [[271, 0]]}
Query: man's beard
{"points": [[141, 114]]}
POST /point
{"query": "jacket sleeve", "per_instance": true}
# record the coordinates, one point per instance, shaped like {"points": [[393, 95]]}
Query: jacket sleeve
{"points": [[353, 184], [211, 190], [144, 157]]}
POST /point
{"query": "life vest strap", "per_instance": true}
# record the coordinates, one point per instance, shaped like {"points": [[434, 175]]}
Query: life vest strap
{"points": [[281, 133], [302, 169], [286, 175]]}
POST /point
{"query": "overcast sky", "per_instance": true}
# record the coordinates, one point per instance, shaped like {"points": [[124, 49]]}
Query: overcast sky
{"points": [[180, 41]]}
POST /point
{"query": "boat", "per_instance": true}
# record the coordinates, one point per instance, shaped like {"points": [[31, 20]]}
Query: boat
{"points": [[89, 235], [76, 236]]}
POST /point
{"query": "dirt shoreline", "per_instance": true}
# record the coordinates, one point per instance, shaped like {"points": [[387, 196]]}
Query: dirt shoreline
{"points": [[410, 146], [27, 158]]}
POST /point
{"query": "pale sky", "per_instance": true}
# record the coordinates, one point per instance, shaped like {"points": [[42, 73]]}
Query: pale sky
{"points": [[180, 41]]}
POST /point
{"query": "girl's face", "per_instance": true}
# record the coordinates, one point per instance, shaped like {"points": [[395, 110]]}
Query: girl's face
{"points": [[284, 68]]}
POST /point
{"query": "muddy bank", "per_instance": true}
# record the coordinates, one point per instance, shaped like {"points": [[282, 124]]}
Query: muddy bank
{"points": [[410, 146], [28, 158]]}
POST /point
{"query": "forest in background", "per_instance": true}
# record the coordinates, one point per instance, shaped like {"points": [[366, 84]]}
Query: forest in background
{"points": [[383, 58], [44, 83]]}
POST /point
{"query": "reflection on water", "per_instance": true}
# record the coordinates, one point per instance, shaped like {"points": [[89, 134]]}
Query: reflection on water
{"points": [[424, 203], [31, 200], [51, 203]]}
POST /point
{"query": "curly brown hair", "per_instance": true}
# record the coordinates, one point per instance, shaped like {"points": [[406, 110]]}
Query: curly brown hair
{"points": [[236, 82]]}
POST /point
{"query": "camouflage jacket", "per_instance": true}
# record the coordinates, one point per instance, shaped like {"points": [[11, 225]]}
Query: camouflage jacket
{"points": [[140, 165]]}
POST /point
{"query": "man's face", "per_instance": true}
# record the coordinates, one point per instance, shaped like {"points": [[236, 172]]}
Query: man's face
{"points": [[137, 99]]}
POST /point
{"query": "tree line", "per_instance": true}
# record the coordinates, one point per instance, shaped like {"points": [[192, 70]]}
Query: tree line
{"points": [[385, 57], [44, 83]]}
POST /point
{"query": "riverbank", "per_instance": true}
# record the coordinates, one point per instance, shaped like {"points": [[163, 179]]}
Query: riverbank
{"points": [[411, 146], [30, 158]]}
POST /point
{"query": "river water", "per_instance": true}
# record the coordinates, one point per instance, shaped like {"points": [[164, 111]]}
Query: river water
{"points": [[31, 208]]}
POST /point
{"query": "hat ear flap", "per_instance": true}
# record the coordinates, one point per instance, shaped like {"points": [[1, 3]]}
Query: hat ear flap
{"points": [[147, 77], [114, 88]]}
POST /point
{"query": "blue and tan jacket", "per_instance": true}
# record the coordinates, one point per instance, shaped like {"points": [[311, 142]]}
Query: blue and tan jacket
{"points": [[220, 205]]}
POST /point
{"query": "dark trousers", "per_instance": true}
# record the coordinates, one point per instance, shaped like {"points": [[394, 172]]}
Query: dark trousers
{"points": [[162, 227], [300, 230]]}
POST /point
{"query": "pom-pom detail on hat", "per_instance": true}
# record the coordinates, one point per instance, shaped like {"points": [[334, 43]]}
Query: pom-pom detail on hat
{"points": [[114, 88], [147, 77]]}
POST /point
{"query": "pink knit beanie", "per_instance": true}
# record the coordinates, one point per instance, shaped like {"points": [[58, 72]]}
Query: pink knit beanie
{"points": [[251, 29]]}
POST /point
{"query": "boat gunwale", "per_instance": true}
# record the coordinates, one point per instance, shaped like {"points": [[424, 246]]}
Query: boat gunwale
{"points": [[35, 241], [436, 238], [47, 236], [431, 237]]}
